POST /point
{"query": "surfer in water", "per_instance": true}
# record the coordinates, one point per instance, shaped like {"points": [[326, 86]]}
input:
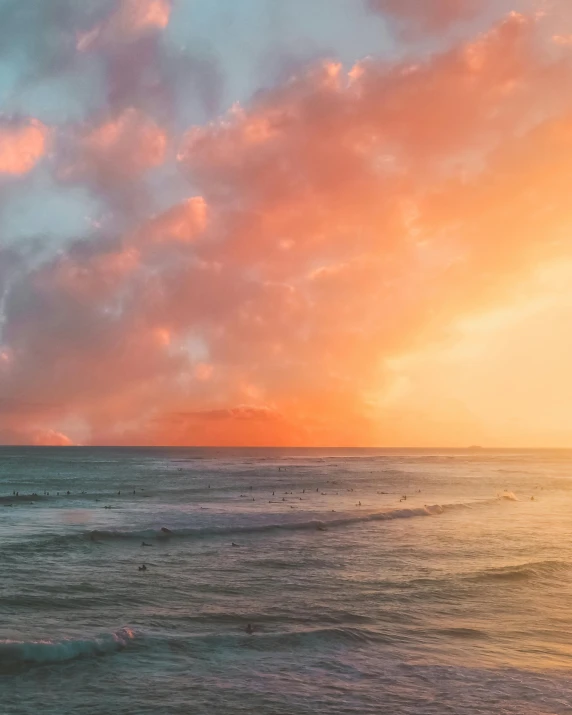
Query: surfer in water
{"points": [[144, 543], [249, 629], [143, 568]]}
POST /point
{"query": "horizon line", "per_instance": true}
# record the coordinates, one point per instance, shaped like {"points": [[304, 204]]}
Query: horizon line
{"points": [[470, 448]]}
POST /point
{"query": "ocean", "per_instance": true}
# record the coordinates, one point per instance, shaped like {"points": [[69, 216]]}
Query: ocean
{"points": [[452, 600]]}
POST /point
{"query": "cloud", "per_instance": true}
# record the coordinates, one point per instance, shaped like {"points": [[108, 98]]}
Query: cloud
{"points": [[22, 145], [333, 223], [242, 412], [51, 438], [130, 20], [183, 223], [111, 156], [122, 147], [416, 18], [244, 424], [141, 68], [40, 35]]}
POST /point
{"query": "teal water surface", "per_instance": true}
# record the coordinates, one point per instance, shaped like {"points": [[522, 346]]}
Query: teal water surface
{"points": [[455, 599]]}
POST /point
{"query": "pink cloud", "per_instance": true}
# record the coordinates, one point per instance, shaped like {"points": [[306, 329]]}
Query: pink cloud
{"points": [[112, 156], [22, 145], [126, 145]]}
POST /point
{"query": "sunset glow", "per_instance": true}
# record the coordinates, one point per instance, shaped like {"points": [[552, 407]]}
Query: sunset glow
{"points": [[374, 250]]}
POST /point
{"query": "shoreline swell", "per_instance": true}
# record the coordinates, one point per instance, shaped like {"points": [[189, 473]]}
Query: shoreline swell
{"points": [[165, 533]]}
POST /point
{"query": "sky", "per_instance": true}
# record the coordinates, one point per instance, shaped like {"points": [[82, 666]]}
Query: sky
{"points": [[306, 223]]}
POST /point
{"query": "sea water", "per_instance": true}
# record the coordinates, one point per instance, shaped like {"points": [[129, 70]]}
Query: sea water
{"points": [[455, 599]]}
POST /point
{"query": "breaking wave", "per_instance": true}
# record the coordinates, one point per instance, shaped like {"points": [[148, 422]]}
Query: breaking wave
{"points": [[311, 524], [15, 655]]}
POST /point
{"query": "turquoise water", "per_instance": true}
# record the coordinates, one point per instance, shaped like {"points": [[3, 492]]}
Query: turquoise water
{"points": [[454, 600]]}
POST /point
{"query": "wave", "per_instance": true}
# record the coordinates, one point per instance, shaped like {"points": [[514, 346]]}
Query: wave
{"points": [[41, 602], [464, 633], [9, 500], [204, 645], [313, 637], [56, 541], [523, 572], [15, 655], [310, 525]]}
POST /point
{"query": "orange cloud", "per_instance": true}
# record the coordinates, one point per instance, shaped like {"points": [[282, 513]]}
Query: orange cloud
{"points": [[51, 438], [241, 425], [22, 145], [204, 372], [181, 223]]}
